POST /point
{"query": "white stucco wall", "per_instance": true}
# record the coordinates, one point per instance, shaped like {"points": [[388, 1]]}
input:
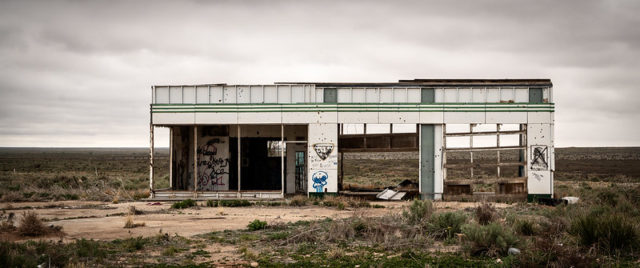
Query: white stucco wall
{"points": [[325, 171]]}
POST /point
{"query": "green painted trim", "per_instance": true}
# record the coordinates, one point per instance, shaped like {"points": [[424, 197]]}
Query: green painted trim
{"points": [[348, 107], [359, 103], [534, 197], [356, 111]]}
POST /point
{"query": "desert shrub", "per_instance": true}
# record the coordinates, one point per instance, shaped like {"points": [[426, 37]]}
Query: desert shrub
{"points": [[545, 251], [89, 249], [525, 227], [278, 235], [31, 225], [257, 225], [6, 222], [170, 251], [298, 201], [344, 229], [134, 244], [608, 197], [609, 232], [184, 204], [212, 203], [446, 225], [130, 224], [137, 195], [234, 203], [358, 203], [418, 212], [485, 213], [134, 211], [13, 188], [334, 201], [7, 226], [489, 240]]}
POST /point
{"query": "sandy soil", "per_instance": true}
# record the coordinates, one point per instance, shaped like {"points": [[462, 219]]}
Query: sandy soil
{"points": [[105, 221]]}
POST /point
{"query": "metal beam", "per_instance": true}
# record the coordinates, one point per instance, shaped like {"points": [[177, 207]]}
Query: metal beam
{"points": [[283, 150], [171, 157], [151, 157], [485, 149], [510, 132], [239, 159], [195, 161]]}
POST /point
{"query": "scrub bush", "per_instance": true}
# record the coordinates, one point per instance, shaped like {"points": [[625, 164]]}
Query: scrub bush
{"points": [[485, 213], [184, 204], [257, 225], [609, 232], [446, 225], [525, 227], [299, 201], [419, 212], [490, 240], [31, 225]]}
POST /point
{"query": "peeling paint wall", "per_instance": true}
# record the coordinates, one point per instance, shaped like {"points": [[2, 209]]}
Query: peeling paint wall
{"points": [[322, 156], [540, 159]]}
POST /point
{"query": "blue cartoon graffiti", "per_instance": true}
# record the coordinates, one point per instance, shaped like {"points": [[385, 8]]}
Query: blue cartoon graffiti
{"points": [[319, 180]]}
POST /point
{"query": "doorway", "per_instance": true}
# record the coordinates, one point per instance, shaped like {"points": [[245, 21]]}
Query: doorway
{"points": [[300, 170]]}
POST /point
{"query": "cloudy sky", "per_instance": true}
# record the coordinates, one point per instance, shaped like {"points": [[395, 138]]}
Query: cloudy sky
{"points": [[78, 73]]}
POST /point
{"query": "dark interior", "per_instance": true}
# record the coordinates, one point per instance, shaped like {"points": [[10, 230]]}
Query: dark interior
{"points": [[259, 171]]}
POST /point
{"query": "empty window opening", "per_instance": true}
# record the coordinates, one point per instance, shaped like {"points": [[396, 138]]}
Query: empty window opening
{"points": [[481, 159], [373, 158]]}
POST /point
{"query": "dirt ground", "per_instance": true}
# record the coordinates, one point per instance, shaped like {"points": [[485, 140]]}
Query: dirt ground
{"points": [[105, 221]]}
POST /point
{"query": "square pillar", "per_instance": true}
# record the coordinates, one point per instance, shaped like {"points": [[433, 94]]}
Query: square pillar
{"points": [[540, 160], [322, 159], [431, 177]]}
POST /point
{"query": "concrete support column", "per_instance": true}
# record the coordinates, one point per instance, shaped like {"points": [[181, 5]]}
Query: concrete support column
{"points": [[322, 159], [195, 161], [171, 158], [540, 160], [282, 153], [431, 181], [151, 145], [239, 159]]}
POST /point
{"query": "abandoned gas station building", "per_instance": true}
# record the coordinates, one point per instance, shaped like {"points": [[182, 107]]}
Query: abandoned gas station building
{"points": [[473, 137]]}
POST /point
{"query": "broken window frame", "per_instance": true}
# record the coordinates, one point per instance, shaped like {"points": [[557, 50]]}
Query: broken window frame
{"points": [[498, 179]]}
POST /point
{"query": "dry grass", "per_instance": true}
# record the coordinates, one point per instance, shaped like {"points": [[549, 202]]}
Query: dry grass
{"points": [[130, 224], [6, 222], [485, 213], [31, 225], [298, 201], [134, 211]]}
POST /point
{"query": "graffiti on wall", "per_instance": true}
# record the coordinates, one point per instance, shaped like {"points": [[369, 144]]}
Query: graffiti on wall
{"points": [[539, 157], [213, 165], [319, 180], [323, 149]]}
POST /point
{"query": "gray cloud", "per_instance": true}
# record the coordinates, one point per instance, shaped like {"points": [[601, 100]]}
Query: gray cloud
{"points": [[75, 73]]}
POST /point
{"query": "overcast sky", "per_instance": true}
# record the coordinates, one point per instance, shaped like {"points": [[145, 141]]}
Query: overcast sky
{"points": [[78, 73]]}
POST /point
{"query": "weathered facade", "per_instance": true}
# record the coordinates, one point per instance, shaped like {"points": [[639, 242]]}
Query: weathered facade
{"points": [[265, 141]]}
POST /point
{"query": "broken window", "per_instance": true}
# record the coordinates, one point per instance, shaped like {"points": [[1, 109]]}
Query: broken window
{"points": [[484, 159], [275, 148]]}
